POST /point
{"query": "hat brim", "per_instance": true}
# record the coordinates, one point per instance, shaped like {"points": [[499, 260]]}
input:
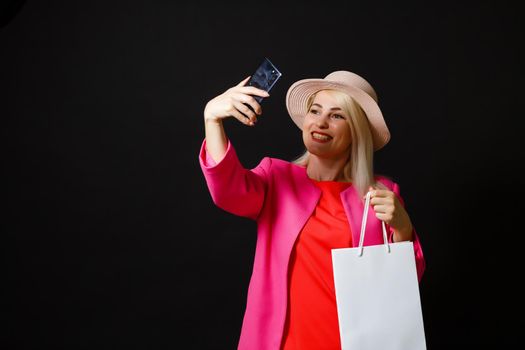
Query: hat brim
{"points": [[298, 94]]}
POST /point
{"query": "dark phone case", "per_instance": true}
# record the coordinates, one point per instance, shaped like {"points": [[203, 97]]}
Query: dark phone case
{"points": [[264, 77]]}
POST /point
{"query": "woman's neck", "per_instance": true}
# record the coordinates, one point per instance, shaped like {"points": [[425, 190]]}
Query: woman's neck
{"points": [[322, 169]]}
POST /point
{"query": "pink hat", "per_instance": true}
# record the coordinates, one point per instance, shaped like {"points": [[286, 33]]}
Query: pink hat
{"points": [[350, 83]]}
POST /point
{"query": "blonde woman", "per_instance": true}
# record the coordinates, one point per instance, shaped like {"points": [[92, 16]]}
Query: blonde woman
{"points": [[307, 207]]}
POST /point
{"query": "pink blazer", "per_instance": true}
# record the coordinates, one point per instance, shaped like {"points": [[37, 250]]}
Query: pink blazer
{"points": [[280, 197]]}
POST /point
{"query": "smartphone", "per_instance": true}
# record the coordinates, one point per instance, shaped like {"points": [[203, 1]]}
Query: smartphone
{"points": [[264, 77]]}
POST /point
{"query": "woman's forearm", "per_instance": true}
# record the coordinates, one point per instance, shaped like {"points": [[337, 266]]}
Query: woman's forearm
{"points": [[405, 234], [216, 140]]}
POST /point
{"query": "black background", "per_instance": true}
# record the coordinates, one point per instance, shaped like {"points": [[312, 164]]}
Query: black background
{"points": [[110, 238]]}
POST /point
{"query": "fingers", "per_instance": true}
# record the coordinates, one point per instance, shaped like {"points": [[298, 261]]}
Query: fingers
{"points": [[246, 111], [384, 212], [382, 209], [244, 81], [386, 200], [241, 117], [250, 101], [379, 193], [386, 217], [252, 90]]}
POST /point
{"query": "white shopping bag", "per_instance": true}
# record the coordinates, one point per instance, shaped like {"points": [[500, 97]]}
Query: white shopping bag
{"points": [[377, 294]]}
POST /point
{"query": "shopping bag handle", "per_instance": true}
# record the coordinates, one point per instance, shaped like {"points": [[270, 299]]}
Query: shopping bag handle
{"points": [[363, 228]]}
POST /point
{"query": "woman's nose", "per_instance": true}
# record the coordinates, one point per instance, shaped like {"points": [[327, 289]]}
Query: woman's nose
{"points": [[322, 121]]}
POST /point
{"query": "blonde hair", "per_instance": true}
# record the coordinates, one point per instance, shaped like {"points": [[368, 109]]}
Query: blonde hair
{"points": [[359, 168]]}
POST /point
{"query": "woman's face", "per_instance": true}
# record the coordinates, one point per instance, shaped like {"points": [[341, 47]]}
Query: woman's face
{"points": [[326, 131]]}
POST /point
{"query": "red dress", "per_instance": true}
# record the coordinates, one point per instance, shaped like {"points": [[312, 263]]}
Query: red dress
{"points": [[311, 319]]}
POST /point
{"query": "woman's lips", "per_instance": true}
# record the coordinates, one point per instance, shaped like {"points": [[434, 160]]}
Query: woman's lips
{"points": [[320, 137]]}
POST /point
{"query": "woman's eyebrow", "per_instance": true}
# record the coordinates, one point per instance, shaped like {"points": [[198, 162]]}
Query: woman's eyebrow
{"points": [[332, 109]]}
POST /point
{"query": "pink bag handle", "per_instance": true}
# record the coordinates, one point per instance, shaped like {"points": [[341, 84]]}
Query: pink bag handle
{"points": [[363, 227]]}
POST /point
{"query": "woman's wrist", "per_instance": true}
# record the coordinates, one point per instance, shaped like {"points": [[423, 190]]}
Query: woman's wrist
{"points": [[209, 119], [405, 234]]}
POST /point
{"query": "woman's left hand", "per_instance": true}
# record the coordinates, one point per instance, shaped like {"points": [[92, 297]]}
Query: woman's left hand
{"points": [[389, 209]]}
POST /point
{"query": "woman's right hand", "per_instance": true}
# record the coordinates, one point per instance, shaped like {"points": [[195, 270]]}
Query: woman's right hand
{"points": [[231, 103]]}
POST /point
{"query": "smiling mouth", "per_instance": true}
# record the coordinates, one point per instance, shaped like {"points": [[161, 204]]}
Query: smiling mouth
{"points": [[321, 137]]}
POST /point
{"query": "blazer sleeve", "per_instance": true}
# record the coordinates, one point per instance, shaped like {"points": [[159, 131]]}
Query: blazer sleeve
{"points": [[418, 251], [233, 188]]}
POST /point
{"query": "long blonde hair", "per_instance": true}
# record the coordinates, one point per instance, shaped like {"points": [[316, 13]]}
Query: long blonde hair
{"points": [[360, 165]]}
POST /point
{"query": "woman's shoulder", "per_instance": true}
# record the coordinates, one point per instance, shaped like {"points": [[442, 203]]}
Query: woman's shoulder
{"points": [[278, 165], [278, 162], [282, 162]]}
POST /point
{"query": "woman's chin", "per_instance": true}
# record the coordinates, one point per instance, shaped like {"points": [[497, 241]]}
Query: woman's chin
{"points": [[318, 150]]}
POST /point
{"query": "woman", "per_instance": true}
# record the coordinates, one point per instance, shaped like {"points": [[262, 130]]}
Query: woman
{"points": [[307, 207]]}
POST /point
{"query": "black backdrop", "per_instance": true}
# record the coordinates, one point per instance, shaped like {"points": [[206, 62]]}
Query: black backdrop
{"points": [[110, 238]]}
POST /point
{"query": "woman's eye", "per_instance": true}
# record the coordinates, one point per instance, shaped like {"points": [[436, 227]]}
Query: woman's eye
{"points": [[314, 111], [338, 116]]}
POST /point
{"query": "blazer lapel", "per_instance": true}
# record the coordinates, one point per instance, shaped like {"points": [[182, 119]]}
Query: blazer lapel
{"points": [[307, 195], [354, 212], [354, 208]]}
